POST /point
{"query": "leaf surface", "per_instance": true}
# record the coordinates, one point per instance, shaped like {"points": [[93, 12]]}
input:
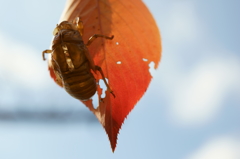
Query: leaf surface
{"points": [[124, 60]]}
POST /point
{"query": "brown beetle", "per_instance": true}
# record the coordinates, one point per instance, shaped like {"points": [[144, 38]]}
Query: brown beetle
{"points": [[72, 62]]}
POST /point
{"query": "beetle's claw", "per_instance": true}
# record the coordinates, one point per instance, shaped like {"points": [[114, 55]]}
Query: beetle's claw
{"points": [[113, 94]]}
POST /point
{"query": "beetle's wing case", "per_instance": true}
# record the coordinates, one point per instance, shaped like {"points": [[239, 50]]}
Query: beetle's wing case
{"points": [[75, 46], [52, 67], [59, 59], [78, 82]]}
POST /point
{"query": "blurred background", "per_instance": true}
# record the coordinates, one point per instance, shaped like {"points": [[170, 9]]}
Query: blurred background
{"points": [[190, 111]]}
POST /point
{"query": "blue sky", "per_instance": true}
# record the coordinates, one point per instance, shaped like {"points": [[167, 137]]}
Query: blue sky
{"points": [[190, 111]]}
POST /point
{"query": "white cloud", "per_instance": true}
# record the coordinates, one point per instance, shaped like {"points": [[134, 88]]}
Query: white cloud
{"points": [[21, 64], [196, 82], [25, 80], [182, 24], [218, 148], [23, 74], [199, 94]]}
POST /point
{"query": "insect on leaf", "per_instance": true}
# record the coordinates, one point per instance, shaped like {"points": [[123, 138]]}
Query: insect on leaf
{"points": [[124, 60]]}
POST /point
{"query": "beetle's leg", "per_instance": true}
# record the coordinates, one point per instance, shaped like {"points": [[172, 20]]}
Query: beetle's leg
{"points": [[92, 38], [46, 52], [103, 77], [79, 24]]}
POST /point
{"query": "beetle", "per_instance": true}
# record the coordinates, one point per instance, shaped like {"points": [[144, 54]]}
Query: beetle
{"points": [[71, 61]]}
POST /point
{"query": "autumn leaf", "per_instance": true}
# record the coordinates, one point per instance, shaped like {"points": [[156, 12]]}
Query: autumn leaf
{"points": [[124, 60]]}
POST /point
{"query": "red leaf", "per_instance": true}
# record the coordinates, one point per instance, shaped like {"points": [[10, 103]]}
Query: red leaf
{"points": [[123, 59]]}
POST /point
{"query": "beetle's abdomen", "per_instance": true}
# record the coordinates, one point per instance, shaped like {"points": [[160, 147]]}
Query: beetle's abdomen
{"points": [[80, 85]]}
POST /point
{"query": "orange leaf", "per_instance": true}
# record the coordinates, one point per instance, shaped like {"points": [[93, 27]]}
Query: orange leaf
{"points": [[124, 60]]}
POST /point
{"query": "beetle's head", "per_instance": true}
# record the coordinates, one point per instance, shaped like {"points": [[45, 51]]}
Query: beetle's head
{"points": [[64, 25]]}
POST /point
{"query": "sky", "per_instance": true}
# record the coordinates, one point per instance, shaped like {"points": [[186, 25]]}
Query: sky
{"points": [[190, 111]]}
